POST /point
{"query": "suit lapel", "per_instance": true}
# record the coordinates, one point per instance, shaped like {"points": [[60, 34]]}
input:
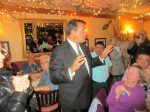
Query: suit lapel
{"points": [[70, 49], [73, 53]]}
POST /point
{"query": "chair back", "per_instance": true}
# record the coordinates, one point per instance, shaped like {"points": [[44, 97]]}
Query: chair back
{"points": [[46, 98], [101, 95]]}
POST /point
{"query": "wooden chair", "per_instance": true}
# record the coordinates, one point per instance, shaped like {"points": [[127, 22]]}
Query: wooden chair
{"points": [[47, 101]]}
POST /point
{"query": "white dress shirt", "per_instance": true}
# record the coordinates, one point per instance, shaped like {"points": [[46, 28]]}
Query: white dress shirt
{"points": [[74, 46]]}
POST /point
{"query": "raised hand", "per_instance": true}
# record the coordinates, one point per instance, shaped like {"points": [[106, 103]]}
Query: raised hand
{"points": [[106, 51], [80, 60]]}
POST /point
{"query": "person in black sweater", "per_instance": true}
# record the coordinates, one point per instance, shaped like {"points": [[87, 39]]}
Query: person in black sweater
{"points": [[141, 43], [13, 94]]}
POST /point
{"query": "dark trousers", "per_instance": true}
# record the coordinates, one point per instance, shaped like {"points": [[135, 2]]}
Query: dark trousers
{"points": [[74, 110], [97, 86]]}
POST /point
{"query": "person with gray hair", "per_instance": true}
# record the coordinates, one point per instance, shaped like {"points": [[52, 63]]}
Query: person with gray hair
{"points": [[71, 68]]}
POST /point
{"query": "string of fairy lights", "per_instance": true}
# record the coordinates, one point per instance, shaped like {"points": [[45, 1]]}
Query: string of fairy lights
{"points": [[65, 7], [129, 5]]}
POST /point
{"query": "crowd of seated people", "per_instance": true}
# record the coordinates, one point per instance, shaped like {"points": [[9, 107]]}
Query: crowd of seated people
{"points": [[130, 89], [44, 44], [125, 92]]}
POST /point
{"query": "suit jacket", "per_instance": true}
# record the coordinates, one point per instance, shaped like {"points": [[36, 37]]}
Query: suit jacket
{"points": [[73, 93]]}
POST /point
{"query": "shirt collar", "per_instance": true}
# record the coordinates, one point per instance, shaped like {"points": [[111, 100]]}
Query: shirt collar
{"points": [[73, 45], [71, 42]]}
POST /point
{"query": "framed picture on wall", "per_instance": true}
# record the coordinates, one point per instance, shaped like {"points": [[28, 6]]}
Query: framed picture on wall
{"points": [[101, 40], [5, 45]]}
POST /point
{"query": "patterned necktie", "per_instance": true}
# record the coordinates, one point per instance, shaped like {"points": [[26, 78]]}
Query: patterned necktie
{"points": [[80, 53], [78, 50]]}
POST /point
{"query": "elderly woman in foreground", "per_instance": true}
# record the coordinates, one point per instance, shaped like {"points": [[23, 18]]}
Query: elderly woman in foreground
{"points": [[128, 95]]}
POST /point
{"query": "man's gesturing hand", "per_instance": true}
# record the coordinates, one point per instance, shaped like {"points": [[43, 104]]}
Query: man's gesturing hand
{"points": [[80, 60], [106, 51]]}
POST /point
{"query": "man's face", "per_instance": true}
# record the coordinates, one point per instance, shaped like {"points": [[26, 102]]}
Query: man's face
{"points": [[80, 33], [99, 49], [143, 61]]}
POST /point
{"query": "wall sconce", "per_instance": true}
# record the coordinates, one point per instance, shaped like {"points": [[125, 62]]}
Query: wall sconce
{"points": [[129, 31]]}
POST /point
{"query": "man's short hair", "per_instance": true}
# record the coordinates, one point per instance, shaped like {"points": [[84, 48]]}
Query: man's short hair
{"points": [[100, 43], [72, 25], [145, 52]]}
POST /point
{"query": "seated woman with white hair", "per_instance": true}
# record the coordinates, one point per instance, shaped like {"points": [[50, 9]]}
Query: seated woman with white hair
{"points": [[128, 95]]}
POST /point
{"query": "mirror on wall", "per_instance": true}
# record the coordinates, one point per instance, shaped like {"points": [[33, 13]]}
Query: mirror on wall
{"points": [[40, 36]]}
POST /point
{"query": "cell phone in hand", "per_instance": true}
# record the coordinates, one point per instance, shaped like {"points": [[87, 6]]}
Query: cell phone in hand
{"points": [[123, 93]]}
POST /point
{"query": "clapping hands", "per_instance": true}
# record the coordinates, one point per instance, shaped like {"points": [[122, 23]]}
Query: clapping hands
{"points": [[20, 83]]}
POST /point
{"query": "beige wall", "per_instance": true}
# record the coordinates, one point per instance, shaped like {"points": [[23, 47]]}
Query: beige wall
{"points": [[147, 28], [131, 25], [12, 31]]}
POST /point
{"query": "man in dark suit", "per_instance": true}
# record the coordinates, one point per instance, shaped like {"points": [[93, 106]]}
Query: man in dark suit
{"points": [[70, 68]]}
